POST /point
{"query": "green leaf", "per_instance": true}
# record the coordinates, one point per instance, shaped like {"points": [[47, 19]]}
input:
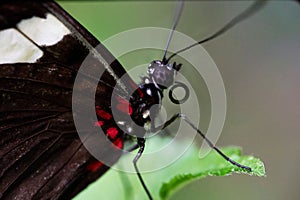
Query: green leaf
{"points": [[123, 185], [218, 167]]}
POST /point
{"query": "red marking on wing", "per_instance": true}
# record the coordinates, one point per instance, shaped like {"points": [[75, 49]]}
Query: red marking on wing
{"points": [[124, 106], [95, 166], [141, 94], [103, 114], [99, 123], [112, 132], [119, 143]]}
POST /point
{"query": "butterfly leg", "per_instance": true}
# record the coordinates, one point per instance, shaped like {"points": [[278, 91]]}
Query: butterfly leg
{"points": [[141, 145], [132, 148], [188, 121]]}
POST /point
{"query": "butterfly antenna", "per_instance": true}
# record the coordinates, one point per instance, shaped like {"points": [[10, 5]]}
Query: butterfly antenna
{"points": [[177, 15], [252, 9]]}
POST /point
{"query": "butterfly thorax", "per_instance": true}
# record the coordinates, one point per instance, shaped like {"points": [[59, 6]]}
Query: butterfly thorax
{"points": [[142, 101], [146, 99]]}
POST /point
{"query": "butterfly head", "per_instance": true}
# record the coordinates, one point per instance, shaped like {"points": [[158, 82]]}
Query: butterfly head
{"points": [[163, 75]]}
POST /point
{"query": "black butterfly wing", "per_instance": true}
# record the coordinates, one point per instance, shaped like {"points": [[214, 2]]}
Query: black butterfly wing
{"points": [[41, 154]]}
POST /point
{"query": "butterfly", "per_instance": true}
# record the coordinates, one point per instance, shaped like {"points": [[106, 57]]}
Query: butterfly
{"points": [[45, 154]]}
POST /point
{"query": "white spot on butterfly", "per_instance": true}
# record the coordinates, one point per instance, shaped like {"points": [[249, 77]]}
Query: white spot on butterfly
{"points": [[42, 31], [147, 80], [146, 114], [121, 122], [149, 92], [17, 48], [129, 129]]}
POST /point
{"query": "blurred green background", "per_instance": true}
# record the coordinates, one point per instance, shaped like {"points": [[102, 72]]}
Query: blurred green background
{"points": [[259, 62]]}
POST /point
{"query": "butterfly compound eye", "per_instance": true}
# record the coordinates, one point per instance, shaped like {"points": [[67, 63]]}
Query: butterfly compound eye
{"points": [[162, 75]]}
